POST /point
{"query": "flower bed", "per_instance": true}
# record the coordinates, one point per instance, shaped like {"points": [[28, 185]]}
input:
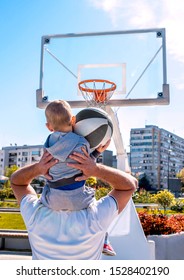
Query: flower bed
{"points": [[157, 224]]}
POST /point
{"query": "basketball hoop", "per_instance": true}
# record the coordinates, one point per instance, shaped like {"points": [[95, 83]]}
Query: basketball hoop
{"points": [[97, 92]]}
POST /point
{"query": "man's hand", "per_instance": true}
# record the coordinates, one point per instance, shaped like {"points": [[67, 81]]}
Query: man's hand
{"points": [[84, 163], [21, 179], [45, 163]]}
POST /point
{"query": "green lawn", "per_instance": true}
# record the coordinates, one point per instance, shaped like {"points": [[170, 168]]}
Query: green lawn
{"points": [[11, 221]]}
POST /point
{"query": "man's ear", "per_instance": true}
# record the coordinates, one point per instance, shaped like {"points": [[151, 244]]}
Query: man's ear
{"points": [[49, 126], [73, 121]]}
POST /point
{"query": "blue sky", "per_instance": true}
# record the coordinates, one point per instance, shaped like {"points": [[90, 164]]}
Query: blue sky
{"points": [[23, 22]]}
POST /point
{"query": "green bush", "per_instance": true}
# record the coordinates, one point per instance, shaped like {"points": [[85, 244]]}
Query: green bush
{"points": [[2, 194], [101, 192], [142, 196], [91, 181], [178, 206], [10, 204], [6, 192]]}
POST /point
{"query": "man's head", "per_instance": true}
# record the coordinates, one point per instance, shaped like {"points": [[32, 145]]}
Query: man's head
{"points": [[59, 116]]}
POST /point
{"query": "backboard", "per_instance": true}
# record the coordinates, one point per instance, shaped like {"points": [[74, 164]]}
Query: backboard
{"points": [[134, 60]]}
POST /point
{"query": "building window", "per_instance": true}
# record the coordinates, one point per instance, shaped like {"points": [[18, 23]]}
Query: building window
{"points": [[12, 154], [35, 153]]}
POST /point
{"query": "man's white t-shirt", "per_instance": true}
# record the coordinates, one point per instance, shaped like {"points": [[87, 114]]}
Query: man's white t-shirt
{"points": [[67, 235]]}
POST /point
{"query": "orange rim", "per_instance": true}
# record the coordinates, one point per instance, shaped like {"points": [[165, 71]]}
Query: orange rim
{"points": [[98, 91]]}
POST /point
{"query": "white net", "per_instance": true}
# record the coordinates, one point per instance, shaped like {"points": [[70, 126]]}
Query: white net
{"points": [[97, 92]]}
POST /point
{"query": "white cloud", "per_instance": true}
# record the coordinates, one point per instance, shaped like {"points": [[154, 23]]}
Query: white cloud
{"points": [[133, 12], [106, 5], [179, 82], [141, 14], [111, 7], [149, 14]]}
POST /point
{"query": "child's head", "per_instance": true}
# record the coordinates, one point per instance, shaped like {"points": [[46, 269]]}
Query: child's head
{"points": [[59, 116]]}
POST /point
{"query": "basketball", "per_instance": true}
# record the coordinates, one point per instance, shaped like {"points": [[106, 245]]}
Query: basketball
{"points": [[95, 125]]}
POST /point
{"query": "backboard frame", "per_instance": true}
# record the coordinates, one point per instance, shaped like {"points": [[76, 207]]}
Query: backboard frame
{"points": [[163, 98]]}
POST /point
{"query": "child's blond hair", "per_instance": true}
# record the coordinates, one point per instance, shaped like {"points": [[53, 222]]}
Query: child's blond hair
{"points": [[59, 115]]}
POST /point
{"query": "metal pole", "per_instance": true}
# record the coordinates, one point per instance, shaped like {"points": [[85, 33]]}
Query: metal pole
{"points": [[41, 64], [164, 56]]}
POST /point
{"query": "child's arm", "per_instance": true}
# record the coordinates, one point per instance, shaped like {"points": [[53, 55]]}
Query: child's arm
{"points": [[95, 154]]}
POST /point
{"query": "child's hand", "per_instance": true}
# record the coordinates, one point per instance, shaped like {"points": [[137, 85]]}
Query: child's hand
{"points": [[101, 148]]}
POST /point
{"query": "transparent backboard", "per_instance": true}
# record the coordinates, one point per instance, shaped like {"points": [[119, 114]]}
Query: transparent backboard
{"points": [[134, 60]]}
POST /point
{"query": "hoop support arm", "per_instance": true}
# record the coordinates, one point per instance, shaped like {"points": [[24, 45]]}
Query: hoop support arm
{"points": [[122, 158], [162, 99]]}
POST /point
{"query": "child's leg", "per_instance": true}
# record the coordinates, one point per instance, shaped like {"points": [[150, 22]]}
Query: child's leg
{"points": [[107, 248]]}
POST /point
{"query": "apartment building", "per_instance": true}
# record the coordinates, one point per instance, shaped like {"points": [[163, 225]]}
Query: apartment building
{"points": [[157, 153], [106, 158], [19, 155]]}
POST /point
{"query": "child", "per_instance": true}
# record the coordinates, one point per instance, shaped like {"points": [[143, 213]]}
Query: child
{"points": [[63, 192]]}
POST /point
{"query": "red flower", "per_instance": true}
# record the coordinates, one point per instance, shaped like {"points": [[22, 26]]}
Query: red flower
{"points": [[157, 224]]}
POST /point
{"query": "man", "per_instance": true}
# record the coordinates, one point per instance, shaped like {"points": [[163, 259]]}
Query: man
{"points": [[70, 235]]}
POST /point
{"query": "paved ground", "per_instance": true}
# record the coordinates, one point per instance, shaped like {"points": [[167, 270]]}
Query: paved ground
{"points": [[15, 255]]}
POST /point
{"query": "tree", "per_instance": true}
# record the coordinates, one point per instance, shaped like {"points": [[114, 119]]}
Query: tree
{"points": [[7, 190], [144, 183], [10, 170], [165, 199], [91, 181], [180, 175]]}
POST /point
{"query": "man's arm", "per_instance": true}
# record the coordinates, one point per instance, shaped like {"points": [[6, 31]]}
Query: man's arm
{"points": [[123, 184], [21, 179]]}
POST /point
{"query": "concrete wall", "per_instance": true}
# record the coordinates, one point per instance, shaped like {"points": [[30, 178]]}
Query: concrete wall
{"points": [[127, 237], [168, 247], [14, 243]]}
